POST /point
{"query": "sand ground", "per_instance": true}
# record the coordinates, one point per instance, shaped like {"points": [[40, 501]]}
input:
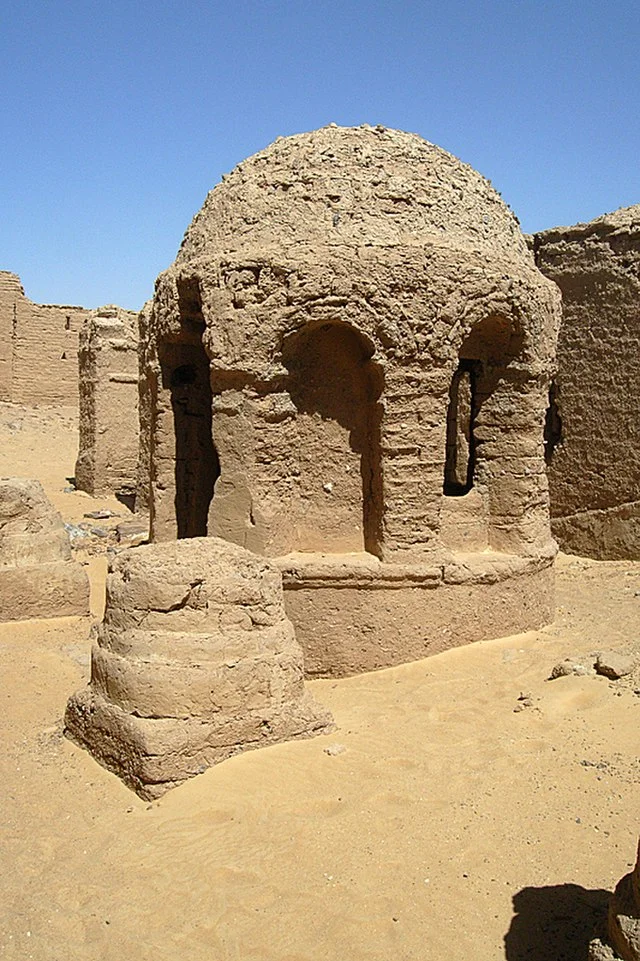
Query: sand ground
{"points": [[450, 828]]}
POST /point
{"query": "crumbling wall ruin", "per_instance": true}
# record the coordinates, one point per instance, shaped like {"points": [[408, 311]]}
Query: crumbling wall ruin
{"points": [[38, 348], [108, 371], [9, 287], [38, 577], [593, 422]]}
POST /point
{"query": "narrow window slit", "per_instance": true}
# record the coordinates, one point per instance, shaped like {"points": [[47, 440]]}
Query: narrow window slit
{"points": [[460, 453], [552, 423]]}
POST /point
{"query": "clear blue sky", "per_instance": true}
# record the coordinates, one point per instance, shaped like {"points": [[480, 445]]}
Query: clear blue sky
{"points": [[119, 116]]}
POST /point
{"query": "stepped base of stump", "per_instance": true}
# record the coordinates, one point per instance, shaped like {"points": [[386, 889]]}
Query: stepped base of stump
{"points": [[152, 755]]}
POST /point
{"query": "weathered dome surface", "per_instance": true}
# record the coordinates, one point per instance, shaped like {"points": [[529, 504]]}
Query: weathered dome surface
{"points": [[352, 186]]}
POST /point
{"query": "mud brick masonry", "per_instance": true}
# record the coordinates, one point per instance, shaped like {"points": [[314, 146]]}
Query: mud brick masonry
{"points": [[38, 347]]}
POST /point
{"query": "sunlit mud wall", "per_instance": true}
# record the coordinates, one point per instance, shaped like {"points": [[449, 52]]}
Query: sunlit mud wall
{"points": [[593, 422], [108, 369], [38, 347]]}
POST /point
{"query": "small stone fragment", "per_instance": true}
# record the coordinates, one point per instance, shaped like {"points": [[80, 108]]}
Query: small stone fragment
{"points": [[567, 667], [525, 699], [99, 532], [335, 749], [134, 531]]}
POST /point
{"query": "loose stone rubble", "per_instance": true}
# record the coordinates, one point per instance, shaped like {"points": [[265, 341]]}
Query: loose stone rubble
{"points": [[195, 661], [38, 577], [621, 940]]}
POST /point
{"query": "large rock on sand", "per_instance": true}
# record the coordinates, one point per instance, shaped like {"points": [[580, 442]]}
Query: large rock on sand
{"points": [[38, 577]]}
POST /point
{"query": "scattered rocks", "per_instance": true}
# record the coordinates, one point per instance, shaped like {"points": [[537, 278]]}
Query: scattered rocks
{"points": [[524, 700], [76, 533]]}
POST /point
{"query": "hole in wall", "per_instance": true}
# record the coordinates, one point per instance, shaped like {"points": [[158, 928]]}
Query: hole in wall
{"points": [[460, 452], [196, 460], [552, 423], [186, 374]]}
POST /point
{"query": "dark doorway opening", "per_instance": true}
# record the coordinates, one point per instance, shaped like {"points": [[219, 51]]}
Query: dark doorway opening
{"points": [[186, 374], [552, 424], [481, 378]]}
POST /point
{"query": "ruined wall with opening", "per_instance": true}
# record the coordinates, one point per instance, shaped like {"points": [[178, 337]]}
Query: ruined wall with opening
{"points": [[338, 301], [108, 376], [593, 421], [38, 347]]}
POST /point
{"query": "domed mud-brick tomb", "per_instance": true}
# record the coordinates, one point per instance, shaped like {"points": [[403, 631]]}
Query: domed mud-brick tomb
{"points": [[347, 370]]}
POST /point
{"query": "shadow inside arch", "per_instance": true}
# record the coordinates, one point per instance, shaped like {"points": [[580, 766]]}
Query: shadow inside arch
{"points": [[554, 923]]}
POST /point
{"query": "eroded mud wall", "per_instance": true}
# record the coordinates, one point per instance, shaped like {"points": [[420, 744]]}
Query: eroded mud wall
{"points": [[108, 368], [10, 291], [593, 425], [38, 347]]}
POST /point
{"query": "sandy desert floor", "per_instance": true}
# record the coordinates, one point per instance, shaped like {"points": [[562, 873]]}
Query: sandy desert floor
{"points": [[452, 827]]}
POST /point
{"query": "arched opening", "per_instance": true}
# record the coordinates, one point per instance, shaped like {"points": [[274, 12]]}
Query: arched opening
{"points": [[476, 388], [335, 388], [481, 402], [186, 376]]}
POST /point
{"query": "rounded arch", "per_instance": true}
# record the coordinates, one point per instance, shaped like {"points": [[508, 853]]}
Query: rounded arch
{"points": [[484, 358], [335, 386]]}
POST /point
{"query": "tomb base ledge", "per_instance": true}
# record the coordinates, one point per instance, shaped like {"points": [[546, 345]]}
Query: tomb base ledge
{"points": [[353, 613]]}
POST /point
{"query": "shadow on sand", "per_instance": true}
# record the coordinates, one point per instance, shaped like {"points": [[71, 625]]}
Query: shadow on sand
{"points": [[554, 923]]}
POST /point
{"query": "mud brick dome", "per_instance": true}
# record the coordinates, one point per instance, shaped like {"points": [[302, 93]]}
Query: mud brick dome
{"points": [[347, 370]]}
